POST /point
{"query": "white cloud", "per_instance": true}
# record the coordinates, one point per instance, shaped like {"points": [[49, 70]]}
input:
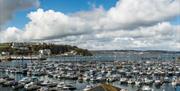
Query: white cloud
{"points": [[154, 39], [51, 24], [131, 24], [135, 13], [8, 7], [162, 36], [11, 34]]}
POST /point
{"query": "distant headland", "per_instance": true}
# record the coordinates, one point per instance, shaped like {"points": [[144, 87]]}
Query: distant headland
{"points": [[35, 48]]}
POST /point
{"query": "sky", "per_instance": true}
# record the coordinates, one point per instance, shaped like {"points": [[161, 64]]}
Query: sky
{"points": [[93, 24]]}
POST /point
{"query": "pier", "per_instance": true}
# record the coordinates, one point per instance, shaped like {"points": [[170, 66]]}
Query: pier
{"points": [[9, 58]]}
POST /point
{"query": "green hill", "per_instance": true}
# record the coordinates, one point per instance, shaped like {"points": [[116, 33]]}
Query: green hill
{"points": [[33, 48]]}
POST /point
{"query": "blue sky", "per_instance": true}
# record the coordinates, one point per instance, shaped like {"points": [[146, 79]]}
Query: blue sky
{"points": [[175, 21], [65, 6]]}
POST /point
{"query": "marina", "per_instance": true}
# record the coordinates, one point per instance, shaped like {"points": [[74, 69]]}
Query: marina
{"points": [[59, 74]]}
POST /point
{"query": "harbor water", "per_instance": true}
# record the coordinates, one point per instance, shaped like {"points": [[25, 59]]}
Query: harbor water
{"points": [[97, 57]]}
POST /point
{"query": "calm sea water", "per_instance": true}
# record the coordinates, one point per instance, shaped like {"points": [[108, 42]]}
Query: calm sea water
{"points": [[100, 57]]}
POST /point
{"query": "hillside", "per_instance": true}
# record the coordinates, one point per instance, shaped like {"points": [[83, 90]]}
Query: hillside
{"points": [[33, 49]]}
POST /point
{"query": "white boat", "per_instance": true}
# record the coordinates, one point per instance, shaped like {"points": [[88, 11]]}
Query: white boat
{"points": [[68, 87], [48, 83], [25, 80], [93, 79], [64, 86], [44, 89], [31, 86], [2, 80], [60, 85], [131, 81], [158, 82], [123, 80], [100, 78], [87, 88], [146, 88], [167, 79], [86, 78], [110, 79], [137, 83], [17, 86], [148, 81], [173, 83], [177, 73]]}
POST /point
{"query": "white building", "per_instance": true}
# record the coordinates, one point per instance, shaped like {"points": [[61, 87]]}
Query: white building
{"points": [[45, 52], [21, 46], [71, 53]]}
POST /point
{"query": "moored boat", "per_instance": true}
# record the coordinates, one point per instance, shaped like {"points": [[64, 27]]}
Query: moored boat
{"points": [[146, 88]]}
